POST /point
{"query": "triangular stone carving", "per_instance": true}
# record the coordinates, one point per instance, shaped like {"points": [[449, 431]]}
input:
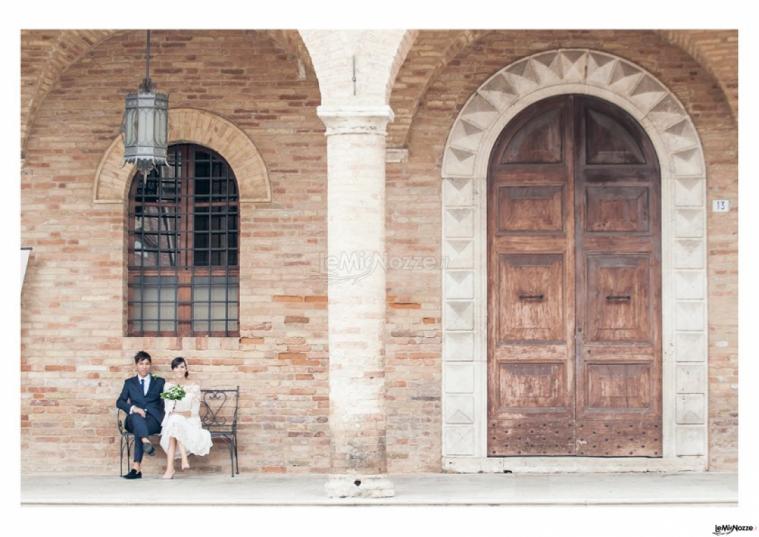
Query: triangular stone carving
{"points": [[666, 113], [689, 192], [459, 284], [459, 441], [480, 112], [681, 136], [689, 223], [647, 94], [689, 285], [459, 162], [459, 254], [459, 214], [458, 223], [547, 68], [466, 135], [457, 192], [459, 417], [459, 184], [522, 77], [459, 246], [573, 64], [459, 347], [499, 92], [624, 77], [459, 276], [688, 162], [690, 347], [689, 253], [459, 315], [599, 68]]}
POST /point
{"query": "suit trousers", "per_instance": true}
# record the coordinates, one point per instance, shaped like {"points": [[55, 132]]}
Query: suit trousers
{"points": [[141, 427]]}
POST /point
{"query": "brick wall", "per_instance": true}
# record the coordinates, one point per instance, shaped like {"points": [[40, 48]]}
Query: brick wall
{"points": [[413, 225], [73, 355]]}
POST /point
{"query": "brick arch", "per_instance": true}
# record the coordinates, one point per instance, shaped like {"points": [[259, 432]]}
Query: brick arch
{"points": [[715, 50], [112, 178], [47, 54], [464, 235], [431, 52]]}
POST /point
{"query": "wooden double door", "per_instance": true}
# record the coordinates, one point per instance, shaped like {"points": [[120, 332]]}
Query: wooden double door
{"points": [[574, 284]]}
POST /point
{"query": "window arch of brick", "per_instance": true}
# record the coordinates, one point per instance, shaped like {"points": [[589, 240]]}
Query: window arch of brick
{"points": [[112, 177], [183, 235]]}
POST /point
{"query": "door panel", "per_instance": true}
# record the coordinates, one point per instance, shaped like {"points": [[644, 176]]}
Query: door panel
{"points": [[619, 298], [531, 298], [532, 385], [617, 209], [608, 140], [574, 284], [618, 386], [531, 275], [537, 141], [535, 209]]}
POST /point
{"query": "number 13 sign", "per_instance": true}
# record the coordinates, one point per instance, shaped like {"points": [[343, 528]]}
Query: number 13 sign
{"points": [[720, 206]]}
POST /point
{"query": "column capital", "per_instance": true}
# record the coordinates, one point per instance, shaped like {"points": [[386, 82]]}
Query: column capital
{"points": [[353, 119]]}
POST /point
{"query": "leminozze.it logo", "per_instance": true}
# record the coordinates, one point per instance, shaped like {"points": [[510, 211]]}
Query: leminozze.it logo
{"points": [[727, 529]]}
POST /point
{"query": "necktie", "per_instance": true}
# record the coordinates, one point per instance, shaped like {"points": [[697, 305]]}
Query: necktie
{"points": [[142, 385]]}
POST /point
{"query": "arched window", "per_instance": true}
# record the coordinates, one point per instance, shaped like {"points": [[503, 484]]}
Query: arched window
{"points": [[183, 269]]}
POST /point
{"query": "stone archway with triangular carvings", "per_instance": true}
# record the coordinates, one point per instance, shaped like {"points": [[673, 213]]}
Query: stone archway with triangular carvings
{"points": [[464, 278]]}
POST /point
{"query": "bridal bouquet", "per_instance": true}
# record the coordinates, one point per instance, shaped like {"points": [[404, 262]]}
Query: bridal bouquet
{"points": [[175, 393]]}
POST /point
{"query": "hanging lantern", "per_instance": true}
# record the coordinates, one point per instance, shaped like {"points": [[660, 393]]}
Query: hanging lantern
{"points": [[145, 125]]}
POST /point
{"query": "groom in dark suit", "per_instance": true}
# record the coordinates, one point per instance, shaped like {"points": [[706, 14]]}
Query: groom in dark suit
{"points": [[141, 399]]}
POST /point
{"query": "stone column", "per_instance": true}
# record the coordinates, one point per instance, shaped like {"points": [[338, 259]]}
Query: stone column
{"points": [[356, 308]]}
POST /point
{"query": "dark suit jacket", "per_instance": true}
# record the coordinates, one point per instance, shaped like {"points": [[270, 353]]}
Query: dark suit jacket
{"points": [[132, 394]]}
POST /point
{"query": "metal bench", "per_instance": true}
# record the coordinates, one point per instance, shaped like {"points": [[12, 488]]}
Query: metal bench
{"points": [[218, 414]]}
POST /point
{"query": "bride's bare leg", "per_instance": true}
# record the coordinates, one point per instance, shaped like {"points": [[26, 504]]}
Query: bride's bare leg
{"points": [[170, 458], [183, 453]]}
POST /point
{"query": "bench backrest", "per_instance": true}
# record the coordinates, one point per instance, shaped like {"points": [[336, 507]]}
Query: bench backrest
{"points": [[218, 408]]}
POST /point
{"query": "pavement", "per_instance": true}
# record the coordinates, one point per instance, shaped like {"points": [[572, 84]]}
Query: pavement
{"points": [[700, 489]]}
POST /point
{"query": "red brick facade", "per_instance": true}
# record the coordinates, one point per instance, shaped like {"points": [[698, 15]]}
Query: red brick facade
{"points": [[74, 355]]}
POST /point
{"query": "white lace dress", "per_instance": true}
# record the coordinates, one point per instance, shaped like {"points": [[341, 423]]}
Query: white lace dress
{"points": [[188, 431]]}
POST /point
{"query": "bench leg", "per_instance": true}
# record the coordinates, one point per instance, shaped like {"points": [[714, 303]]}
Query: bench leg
{"points": [[232, 456], [237, 458], [121, 455]]}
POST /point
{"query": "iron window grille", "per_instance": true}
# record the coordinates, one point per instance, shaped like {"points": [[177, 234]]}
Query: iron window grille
{"points": [[183, 267]]}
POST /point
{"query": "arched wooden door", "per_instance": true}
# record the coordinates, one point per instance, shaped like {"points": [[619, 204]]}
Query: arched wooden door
{"points": [[574, 284]]}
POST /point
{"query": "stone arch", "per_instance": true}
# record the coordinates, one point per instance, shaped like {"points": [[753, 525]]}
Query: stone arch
{"points": [[464, 278], [112, 178]]}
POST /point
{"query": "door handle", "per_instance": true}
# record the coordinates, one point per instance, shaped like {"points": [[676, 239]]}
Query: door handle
{"points": [[532, 298], [618, 298]]}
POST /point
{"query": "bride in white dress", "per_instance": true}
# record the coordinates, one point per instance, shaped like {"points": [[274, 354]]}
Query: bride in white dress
{"points": [[181, 429]]}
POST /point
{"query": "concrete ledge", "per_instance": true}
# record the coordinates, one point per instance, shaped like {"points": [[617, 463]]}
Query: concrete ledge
{"points": [[554, 465], [700, 489], [358, 486]]}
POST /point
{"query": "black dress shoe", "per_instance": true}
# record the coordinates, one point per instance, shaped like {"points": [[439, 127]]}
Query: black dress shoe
{"points": [[148, 447], [133, 474]]}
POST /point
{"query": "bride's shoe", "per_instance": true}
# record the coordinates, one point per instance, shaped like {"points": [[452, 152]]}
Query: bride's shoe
{"points": [[169, 476], [185, 465]]}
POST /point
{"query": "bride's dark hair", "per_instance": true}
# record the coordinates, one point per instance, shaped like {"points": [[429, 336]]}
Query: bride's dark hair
{"points": [[177, 361]]}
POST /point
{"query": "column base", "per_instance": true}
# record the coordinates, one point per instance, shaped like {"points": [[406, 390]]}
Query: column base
{"points": [[359, 486]]}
